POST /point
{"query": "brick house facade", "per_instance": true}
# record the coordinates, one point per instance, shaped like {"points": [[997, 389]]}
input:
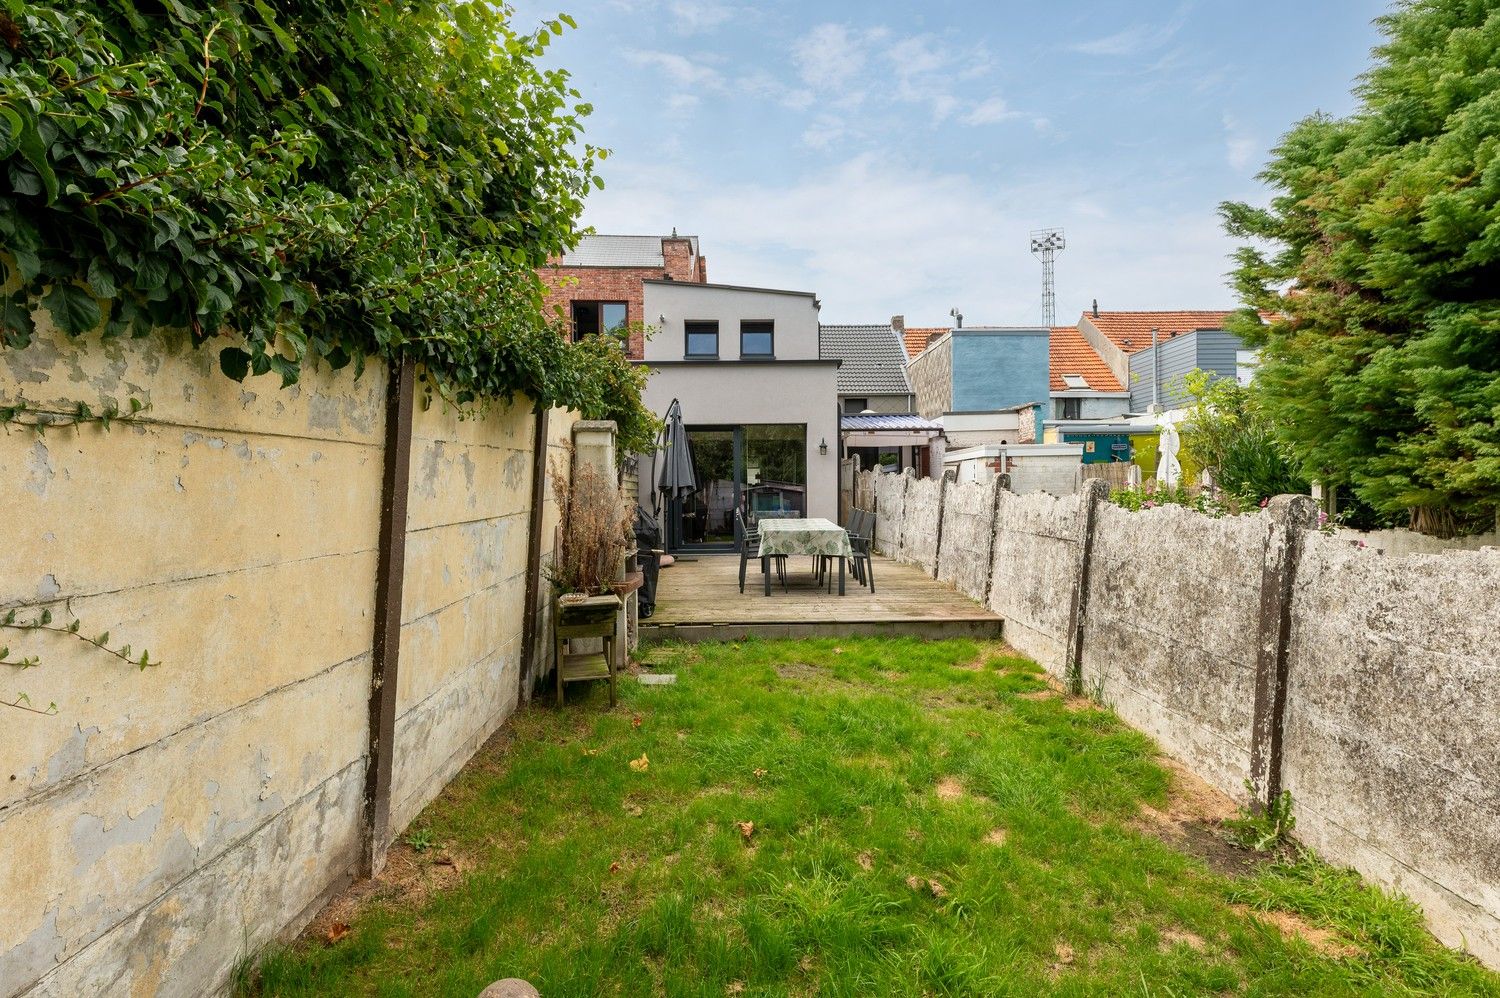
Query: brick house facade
{"points": [[611, 269]]}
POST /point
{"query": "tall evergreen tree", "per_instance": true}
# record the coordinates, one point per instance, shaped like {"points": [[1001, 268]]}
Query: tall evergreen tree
{"points": [[1382, 371]]}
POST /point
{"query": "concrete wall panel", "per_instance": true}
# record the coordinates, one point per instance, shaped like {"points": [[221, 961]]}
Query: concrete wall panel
{"points": [[1392, 746], [968, 526]]}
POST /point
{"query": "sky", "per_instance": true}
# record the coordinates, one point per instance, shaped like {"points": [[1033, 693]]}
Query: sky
{"points": [[894, 158]]}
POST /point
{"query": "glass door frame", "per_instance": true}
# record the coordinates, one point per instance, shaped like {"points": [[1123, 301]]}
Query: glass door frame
{"points": [[738, 473]]}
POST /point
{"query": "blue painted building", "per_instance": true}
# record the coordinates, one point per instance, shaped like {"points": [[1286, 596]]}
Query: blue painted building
{"points": [[984, 369]]}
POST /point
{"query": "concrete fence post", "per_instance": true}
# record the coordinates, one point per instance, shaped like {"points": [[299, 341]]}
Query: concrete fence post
{"points": [[1094, 492], [937, 551], [385, 658], [1290, 517], [998, 488]]}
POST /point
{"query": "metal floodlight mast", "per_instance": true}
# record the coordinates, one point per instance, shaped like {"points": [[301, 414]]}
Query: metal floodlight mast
{"points": [[1045, 245]]}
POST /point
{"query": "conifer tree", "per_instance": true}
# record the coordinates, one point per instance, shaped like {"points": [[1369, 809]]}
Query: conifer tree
{"points": [[1381, 369]]}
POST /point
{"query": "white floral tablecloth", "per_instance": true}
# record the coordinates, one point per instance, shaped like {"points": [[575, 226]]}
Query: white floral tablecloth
{"points": [[810, 536]]}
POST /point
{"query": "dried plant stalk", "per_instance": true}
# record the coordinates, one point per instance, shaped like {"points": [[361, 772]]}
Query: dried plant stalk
{"points": [[597, 527]]}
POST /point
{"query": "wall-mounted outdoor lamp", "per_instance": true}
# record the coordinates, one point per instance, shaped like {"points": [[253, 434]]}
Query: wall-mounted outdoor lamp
{"points": [[823, 446]]}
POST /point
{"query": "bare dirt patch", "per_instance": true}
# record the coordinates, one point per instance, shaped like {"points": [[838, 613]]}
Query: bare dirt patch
{"points": [[409, 878], [1192, 822], [996, 837], [1325, 941], [1175, 937], [949, 789], [865, 860], [798, 670], [1047, 694]]}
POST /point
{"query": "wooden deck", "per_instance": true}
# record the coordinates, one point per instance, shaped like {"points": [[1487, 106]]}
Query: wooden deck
{"points": [[700, 600]]}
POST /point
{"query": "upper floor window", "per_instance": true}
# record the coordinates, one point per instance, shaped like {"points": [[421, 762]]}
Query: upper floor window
{"points": [[757, 338], [702, 338], [1072, 408], [590, 318]]}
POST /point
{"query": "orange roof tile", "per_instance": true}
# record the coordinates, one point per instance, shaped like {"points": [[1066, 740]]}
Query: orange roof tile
{"points": [[916, 339], [1136, 327], [1071, 354]]}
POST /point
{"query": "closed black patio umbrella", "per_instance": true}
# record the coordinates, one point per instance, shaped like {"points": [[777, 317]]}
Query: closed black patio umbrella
{"points": [[677, 479]]}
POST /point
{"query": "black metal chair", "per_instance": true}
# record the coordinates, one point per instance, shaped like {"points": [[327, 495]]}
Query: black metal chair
{"points": [[750, 537], [861, 539]]}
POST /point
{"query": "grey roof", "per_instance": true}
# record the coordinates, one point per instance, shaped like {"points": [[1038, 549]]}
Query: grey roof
{"points": [[619, 251], [874, 359], [887, 421]]}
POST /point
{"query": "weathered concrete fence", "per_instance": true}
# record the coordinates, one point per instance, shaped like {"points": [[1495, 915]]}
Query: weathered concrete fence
{"points": [[334, 578], [1257, 649]]}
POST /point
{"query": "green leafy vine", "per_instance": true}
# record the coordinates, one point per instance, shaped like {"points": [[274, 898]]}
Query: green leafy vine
{"points": [[43, 620], [302, 182], [23, 413]]}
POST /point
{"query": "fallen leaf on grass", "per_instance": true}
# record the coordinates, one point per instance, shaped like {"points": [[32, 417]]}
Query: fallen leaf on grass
{"points": [[747, 829], [838, 651], [865, 860], [635, 722], [614, 867], [590, 751], [735, 988], [337, 931], [937, 889], [759, 773], [640, 765]]}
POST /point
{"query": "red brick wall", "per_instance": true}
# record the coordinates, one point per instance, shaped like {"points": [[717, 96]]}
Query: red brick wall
{"points": [[570, 284]]}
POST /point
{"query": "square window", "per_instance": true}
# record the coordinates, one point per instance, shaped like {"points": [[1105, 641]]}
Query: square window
{"points": [[591, 318], [757, 339], [702, 339]]}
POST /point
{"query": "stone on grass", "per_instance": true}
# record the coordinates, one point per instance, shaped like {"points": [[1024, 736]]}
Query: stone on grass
{"points": [[511, 987]]}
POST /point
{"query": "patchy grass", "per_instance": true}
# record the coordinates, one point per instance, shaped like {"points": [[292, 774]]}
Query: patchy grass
{"points": [[845, 818]]}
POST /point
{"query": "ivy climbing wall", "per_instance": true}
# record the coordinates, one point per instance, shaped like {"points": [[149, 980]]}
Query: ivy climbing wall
{"points": [[161, 823]]}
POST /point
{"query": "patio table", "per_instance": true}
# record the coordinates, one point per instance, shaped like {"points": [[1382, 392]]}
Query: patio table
{"points": [[816, 536]]}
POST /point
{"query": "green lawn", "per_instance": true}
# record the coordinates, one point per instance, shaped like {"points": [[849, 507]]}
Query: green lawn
{"points": [[918, 818]]}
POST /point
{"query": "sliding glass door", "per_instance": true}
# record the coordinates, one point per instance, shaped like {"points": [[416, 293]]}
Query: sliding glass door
{"points": [[759, 468]]}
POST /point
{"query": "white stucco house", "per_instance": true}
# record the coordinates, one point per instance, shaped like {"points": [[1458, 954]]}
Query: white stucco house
{"points": [[759, 402]]}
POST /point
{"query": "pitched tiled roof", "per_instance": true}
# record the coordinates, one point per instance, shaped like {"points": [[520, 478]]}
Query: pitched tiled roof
{"points": [[1136, 327], [873, 362], [1071, 354], [619, 251], [916, 339]]}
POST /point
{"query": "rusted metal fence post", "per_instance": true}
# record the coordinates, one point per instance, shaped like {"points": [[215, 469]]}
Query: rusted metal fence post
{"points": [[1091, 496], [1290, 518], [389, 577]]}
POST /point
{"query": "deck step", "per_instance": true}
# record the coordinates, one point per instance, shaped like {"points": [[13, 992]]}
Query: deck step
{"points": [[931, 629]]}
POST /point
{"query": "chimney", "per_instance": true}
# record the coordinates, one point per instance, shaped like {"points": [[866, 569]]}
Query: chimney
{"points": [[898, 323], [1096, 308]]}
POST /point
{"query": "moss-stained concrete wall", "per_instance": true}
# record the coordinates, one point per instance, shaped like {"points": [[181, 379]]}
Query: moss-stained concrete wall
{"points": [[968, 526], [164, 824], [890, 509], [1033, 572], [1393, 726], [1171, 636], [921, 519]]}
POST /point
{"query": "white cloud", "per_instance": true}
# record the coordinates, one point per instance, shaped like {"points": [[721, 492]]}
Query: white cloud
{"points": [[693, 16], [679, 69], [831, 57], [1240, 147], [991, 111], [874, 236], [1136, 39]]}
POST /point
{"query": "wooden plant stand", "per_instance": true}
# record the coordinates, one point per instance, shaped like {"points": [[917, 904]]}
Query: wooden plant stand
{"points": [[590, 617]]}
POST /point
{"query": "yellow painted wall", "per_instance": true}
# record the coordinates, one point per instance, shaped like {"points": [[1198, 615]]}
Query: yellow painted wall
{"points": [[162, 821]]}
